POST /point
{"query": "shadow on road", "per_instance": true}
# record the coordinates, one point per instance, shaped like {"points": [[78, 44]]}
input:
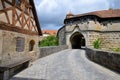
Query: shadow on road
{"points": [[19, 78]]}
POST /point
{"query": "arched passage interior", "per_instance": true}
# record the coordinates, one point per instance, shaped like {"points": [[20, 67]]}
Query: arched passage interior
{"points": [[77, 40]]}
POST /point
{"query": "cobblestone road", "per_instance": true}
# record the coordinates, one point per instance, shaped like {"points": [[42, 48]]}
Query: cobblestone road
{"points": [[66, 65]]}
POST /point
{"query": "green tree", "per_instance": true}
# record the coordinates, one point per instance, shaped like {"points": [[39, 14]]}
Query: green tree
{"points": [[110, 8], [49, 41]]}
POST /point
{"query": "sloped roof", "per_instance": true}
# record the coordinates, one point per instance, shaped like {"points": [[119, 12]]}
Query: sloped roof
{"points": [[36, 17], [50, 32], [102, 14], [69, 15]]}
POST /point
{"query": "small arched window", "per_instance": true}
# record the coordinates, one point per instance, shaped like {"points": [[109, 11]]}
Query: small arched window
{"points": [[31, 45], [39, 43]]}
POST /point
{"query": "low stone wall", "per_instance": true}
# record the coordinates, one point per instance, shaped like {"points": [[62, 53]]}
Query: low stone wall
{"points": [[44, 51], [110, 60]]}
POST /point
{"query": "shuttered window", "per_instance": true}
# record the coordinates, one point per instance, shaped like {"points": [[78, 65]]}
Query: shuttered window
{"points": [[20, 43]]}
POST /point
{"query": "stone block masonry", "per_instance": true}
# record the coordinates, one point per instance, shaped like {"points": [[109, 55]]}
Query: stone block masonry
{"points": [[92, 28], [16, 51], [44, 51], [110, 60], [8, 48]]}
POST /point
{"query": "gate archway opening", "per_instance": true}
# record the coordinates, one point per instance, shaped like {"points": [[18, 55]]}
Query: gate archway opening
{"points": [[77, 40]]}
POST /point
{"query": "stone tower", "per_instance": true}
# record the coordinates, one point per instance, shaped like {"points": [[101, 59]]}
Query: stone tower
{"points": [[83, 30]]}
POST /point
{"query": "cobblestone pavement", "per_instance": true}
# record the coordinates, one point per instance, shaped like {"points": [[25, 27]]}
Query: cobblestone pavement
{"points": [[66, 65]]}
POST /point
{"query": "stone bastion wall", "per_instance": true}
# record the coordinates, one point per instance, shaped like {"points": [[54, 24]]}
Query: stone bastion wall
{"points": [[45, 51], [107, 59]]}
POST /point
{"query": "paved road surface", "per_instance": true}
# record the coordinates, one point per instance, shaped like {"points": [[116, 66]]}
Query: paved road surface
{"points": [[66, 65]]}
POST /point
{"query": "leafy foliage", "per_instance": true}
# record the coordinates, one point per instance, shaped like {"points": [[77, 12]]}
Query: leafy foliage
{"points": [[49, 41], [110, 8], [97, 43], [116, 49]]}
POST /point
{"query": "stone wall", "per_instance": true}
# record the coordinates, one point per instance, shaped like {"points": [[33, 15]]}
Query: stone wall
{"points": [[44, 51], [61, 35], [110, 40], [94, 25], [1, 41], [8, 53], [110, 60], [109, 34], [91, 37]]}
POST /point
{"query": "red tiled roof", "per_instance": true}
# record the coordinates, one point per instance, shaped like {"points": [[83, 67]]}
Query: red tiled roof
{"points": [[51, 32], [102, 14]]}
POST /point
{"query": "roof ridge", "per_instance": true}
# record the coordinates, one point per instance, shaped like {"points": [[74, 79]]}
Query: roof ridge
{"points": [[101, 13]]}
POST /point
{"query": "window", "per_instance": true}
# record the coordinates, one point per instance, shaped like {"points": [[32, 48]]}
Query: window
{"points": [[20, 44], [18, 2], [31, 45]]}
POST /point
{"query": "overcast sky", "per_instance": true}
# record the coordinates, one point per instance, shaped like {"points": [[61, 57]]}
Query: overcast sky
{"points": [[51, 13]]}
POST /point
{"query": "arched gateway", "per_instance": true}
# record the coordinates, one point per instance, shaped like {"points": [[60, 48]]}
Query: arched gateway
{"points": [[84, 29], [77, 40]]}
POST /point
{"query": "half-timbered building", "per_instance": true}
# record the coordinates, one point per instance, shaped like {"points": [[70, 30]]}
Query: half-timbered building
{"points": [[19, 33]]}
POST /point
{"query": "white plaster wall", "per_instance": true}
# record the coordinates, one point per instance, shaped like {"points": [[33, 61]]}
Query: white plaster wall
{"points": [[70, 27], [83, 26], [10, 16], [114, 27], [91, 25], [7, 5], [3, 17]]}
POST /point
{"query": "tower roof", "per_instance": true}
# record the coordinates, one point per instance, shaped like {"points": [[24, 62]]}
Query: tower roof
{"points": [[69, 15], [101, 14]]}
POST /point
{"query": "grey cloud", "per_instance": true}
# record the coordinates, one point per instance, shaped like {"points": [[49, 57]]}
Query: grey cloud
{"points": [[115, 4], [55, 20], [52, 13]]}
